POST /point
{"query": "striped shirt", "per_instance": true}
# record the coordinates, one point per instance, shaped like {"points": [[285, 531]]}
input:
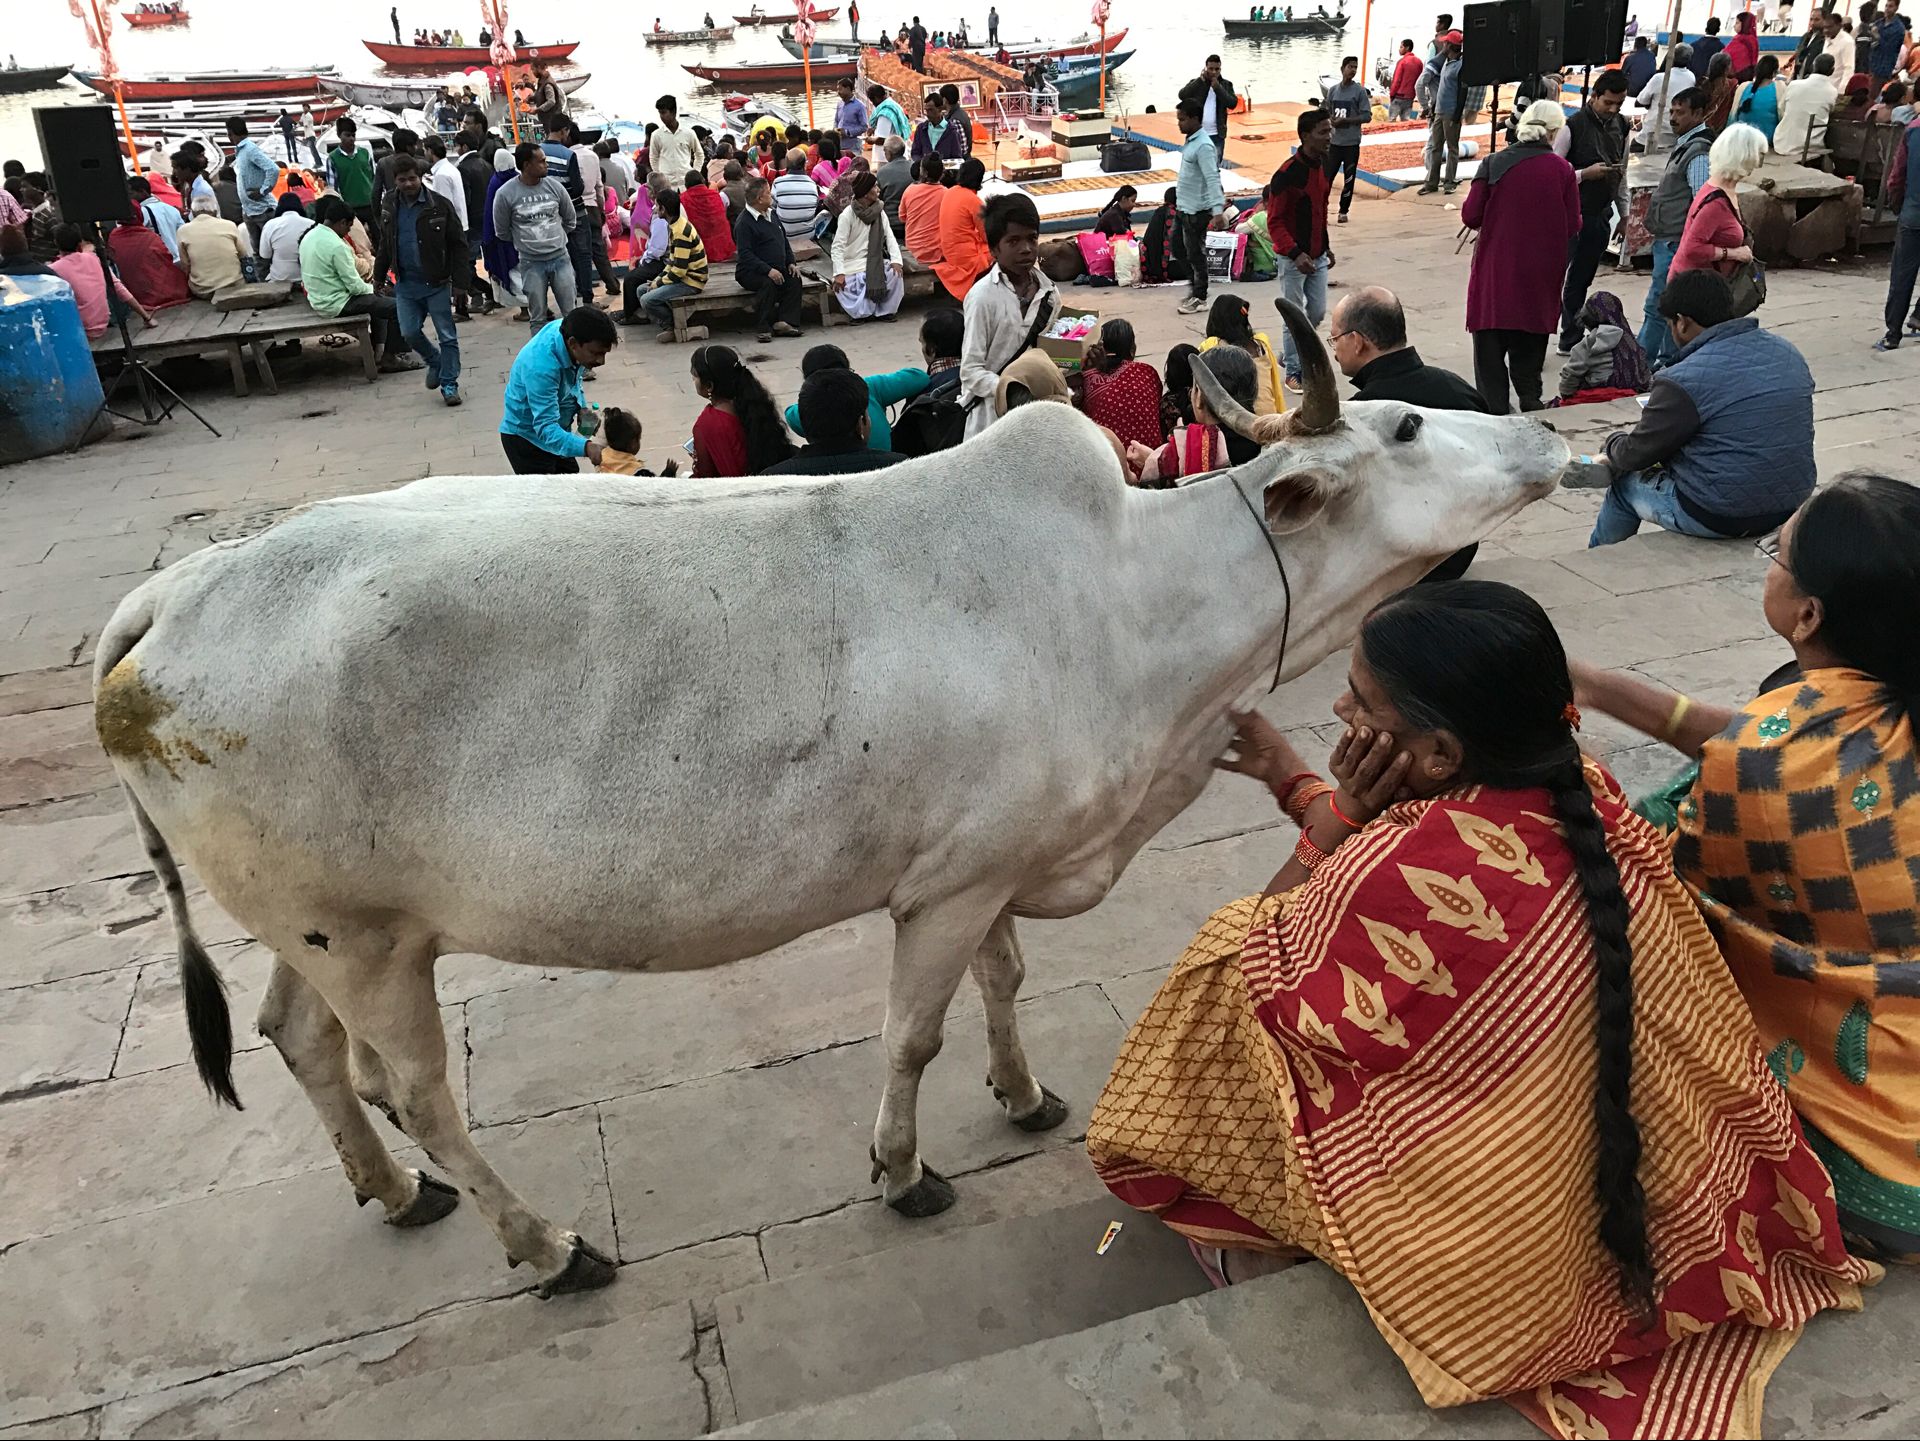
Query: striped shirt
{"points": [[686, 256]]}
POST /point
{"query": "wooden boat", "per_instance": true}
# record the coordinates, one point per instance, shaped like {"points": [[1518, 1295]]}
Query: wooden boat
{"points": [[418, 94], [1078, 77], [16, 78], [452, 57], [211, 84], [773, 72], [782, 18], [822, 49], [1040, 50], [1299, 25], [689, 37], [214, 114], [148, 19]]}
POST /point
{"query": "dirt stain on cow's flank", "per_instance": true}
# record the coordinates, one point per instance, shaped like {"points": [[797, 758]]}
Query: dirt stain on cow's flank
{"points": [[127, 714]]}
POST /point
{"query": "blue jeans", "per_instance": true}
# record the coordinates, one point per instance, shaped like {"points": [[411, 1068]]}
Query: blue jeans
{"points": [[1309, 292], [536, 276], [413, 303], [658, 301], [1638, 496], [1655, 337]]}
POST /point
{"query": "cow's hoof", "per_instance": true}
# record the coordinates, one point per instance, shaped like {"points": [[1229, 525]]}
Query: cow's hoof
{"points": [[434, 1200], [586, 1270], [1044, 1117], [929, 1196]]}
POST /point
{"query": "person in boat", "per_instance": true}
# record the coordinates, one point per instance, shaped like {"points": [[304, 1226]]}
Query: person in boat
{"points": [[457, 40], [658, 28], [707, 20], [519, 39]]}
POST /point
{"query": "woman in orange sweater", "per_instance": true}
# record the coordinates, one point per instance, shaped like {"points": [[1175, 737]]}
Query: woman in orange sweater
{"points": [[963, 240]]}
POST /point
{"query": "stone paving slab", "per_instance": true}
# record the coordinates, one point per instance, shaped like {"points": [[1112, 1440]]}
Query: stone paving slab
{"points": [[102, 1152], [156, 1023], [244, 1277], [967, 1294], [62, 1034], [798, 1134], [1291, 1355], [520, 1367], [67, 843], [98, 926]]}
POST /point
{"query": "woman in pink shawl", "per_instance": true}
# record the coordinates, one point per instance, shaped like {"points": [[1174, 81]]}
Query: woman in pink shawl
{"points": [[1743, 51]]}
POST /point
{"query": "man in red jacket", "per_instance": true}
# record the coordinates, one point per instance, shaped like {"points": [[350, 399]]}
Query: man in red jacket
{"points": [[1297, 226], [706, 211], [1405, 83]]}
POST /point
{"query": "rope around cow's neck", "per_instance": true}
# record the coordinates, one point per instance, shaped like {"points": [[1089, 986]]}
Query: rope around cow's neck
{"points": [[1286, 586]]}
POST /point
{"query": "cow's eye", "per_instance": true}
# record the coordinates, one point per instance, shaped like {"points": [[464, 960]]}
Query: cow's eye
{"points": [[1409, 426]]}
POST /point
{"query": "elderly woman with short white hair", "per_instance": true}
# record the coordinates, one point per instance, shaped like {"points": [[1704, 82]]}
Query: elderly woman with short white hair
{"points": [[1715, 236], [1525, 202]]}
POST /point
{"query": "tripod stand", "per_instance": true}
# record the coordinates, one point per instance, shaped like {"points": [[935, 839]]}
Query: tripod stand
{"points": [[154, 408]]}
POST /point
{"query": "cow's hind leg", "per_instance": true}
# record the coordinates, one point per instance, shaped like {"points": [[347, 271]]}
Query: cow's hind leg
{"points": [[384, 995], [931, 950], [310, 1038], [998, 970]]}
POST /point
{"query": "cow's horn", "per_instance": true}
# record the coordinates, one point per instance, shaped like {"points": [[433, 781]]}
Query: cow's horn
{"points": [[1228, 411], [1320, 401]]}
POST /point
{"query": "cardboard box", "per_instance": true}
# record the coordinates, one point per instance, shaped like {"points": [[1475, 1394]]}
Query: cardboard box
{"points": [[1071, 355]]}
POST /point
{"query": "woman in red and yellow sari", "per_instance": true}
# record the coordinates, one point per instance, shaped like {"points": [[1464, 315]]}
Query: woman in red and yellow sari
{"points": [[1801, 840], [1476, 1050]]}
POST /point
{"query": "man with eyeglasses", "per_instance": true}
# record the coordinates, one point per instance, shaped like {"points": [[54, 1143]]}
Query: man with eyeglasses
{"points": [[1369, 344], [1724, 447]]}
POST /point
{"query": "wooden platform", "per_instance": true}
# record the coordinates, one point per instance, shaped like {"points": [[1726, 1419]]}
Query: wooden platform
{"points": [[199, 328]]}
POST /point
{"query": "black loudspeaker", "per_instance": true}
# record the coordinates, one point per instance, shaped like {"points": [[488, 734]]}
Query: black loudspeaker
{"points": [[81, 144], [1512, 39], [1596, 31]]}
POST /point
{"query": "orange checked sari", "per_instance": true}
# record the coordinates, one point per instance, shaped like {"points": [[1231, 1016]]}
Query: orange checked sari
{"points": [[1392, 1069]]}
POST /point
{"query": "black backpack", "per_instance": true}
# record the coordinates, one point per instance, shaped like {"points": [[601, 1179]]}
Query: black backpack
{"points": [[930, 422]]}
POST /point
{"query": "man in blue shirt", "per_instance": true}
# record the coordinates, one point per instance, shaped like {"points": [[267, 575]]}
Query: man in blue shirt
{"points": [[424, 244], [1901, 191], [850, 117], [1449, 105], [1890, 38], [1666, 217], [544, 405], [256, 173], [1198, 199]]}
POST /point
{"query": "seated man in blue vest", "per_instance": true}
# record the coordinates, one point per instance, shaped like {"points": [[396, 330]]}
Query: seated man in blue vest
{"points": [[1724, 447]]}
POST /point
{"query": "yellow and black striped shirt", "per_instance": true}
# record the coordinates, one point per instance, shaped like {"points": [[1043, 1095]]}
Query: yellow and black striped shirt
{"points": [[686, 256]]}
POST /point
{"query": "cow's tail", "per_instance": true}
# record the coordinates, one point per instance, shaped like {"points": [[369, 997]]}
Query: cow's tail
{"points": [[209, 1021]]}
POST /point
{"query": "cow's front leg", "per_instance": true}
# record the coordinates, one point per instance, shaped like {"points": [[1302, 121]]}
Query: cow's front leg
{"points": [[931, 951], [998, 970]]}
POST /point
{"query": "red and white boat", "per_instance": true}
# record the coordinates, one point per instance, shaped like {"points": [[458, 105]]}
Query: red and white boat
{"points": [[784, 18], [1038, 51], [452, 57], [211, 84], [147, 19]]}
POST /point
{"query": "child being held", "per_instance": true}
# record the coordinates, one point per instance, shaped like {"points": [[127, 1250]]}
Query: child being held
{"points": [[621, 453]]}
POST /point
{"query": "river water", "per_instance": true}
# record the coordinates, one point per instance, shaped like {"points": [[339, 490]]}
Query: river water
{"points": [[1169, 44]]}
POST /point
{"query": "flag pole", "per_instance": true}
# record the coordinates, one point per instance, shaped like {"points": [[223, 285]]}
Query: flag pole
{"points": [[1366, 39], [1103, 59], [119, 91]]}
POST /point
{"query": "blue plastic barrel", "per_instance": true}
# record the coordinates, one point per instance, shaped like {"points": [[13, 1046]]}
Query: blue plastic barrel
{"points": [[49, 390]]}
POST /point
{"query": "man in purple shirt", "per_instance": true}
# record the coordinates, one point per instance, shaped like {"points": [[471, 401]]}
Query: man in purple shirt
{"points": [[850, 117]]}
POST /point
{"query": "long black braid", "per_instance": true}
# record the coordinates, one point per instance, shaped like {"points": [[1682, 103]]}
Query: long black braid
{"points": [[1482, 661]]}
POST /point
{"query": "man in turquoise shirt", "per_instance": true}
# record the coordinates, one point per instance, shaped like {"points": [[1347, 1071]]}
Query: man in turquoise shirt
{"points": [[1198, 198], [544, 401], [882, 391]]}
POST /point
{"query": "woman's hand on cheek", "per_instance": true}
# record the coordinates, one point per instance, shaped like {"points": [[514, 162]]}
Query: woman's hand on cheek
{"points": [[1371, 771]]}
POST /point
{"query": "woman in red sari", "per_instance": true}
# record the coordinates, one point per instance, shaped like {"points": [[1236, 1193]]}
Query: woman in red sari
{"points": [[1121, 391], [1476, 1050]]}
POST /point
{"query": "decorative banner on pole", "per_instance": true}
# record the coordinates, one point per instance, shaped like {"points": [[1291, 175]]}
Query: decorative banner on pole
{"points": [[493, 15], [1101, 10], [99, 28], [804, 31]]}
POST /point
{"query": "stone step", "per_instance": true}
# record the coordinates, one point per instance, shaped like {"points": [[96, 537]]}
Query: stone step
{"points": [[1287, 1355], [1296, 1355], [838, 1330]]}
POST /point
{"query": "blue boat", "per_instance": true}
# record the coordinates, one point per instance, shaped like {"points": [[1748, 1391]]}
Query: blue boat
{"points": [[1081, 74]]}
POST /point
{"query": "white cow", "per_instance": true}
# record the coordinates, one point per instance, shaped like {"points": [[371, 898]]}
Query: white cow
{"points": [[667, 725]]}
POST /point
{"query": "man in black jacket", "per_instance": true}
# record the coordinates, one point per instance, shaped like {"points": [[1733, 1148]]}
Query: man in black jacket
{"points": [[1215, 96], [1370, 346], [423, 245], [1594, 143], [833, 414], [765, 266]]}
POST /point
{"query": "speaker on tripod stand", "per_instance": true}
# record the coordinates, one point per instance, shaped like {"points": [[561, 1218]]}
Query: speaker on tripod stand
{"points": [[89, 184]]}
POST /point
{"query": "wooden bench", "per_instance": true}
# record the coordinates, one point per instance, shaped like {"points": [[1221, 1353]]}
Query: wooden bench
{"points": [[199, 328], [724, 294]]}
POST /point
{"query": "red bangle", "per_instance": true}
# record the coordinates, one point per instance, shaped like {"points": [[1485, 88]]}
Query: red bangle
{"points": [[1340, 815], [1308, 854], [1295, 807], [1286, 787]]}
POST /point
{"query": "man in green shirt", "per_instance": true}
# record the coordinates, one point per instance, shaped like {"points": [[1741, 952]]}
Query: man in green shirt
{"points": [[350, 173], [334, 286]]}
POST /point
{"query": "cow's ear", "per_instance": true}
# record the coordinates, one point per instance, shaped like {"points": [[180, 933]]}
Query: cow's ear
{"points": [[1295, 498]]}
